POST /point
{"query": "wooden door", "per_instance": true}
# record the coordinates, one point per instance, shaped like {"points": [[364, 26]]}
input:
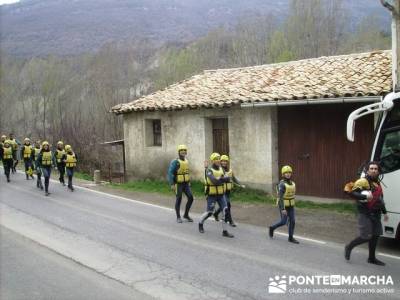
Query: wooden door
{"points": [[220, 136], [312, 139]]}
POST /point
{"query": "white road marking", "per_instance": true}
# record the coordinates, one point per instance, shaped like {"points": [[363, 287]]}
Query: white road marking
{"points": [[389, 255], [303, 238]]}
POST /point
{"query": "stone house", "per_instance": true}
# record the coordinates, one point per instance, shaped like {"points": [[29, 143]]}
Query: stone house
{"points": [[263, 117]]}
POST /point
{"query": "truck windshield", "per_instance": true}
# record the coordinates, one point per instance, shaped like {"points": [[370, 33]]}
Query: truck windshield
{"points": [[388, 150]]}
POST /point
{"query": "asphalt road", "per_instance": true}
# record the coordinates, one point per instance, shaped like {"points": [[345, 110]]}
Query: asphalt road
{"points": [[141, 246], [31, 271]]}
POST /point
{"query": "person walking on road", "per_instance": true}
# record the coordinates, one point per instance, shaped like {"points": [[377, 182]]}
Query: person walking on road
{"points": [[370, 205], [214, 190], [228, 188], [35, 156], [15, 145], [45, 161], [286, 203], [6, 155], [59, 156], [26, 154], [70, 164], [179, 181]]}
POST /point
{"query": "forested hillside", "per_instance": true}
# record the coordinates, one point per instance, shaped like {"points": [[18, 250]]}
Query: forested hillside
{"points": [[69, 96], [63, 27]]}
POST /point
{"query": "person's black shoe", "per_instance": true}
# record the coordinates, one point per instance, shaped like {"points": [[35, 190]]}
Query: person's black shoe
{"points": [[27, 177], [189, 219], [37, 184], [63, 183], [41, 187], [8, 179], [46, 193], [72, 189], [375, 262], [233, 224], [271, 232], [347, 252], [293, 240], [201, 228], [216, 217], [225, 233], [32, 177], [178, 220]]}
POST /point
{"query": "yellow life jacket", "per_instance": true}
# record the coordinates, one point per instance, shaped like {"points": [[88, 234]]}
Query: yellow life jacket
{"points": [[71, 160], [229, 185], [182, 174], [7, 153], [46, 158], [59, 155], [289, 195], [36, 151], [212, 189], [27, 151], [14, 145]]}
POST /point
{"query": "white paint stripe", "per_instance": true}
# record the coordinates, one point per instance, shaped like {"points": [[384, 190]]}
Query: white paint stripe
{"points": [[122, 198], [303, 238], [389, 255], [114, 196]]}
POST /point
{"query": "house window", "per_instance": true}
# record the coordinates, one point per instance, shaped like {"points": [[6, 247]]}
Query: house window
{"points": [[157, 133], [153, 135]]}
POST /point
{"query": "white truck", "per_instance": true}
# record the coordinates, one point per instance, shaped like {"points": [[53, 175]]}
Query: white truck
{"points": [[386, 150]]}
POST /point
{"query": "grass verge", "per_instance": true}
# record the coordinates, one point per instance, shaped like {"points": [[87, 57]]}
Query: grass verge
{"points": [[84, 176], [246, 195]]}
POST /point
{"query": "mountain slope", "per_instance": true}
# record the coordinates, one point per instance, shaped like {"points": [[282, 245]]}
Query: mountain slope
{"points": [[40, 27]]}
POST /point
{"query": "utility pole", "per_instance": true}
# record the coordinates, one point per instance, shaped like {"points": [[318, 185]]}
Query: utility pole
{"points": [[394, 7]]}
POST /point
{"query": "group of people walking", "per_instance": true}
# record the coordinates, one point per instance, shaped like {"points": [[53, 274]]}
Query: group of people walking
{"points": [[38, 159], [219, 180]]}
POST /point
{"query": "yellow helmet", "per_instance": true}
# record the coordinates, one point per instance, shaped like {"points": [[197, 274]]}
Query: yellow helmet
{"points": [[3, 137], [45, 143], [225, 157], [7, 142], [68, 147], [27, 139], [60, 143], [182, 147], [286, 169], [215, 156]]}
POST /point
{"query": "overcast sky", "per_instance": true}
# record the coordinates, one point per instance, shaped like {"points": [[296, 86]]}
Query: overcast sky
{"points": [[8, 1]]}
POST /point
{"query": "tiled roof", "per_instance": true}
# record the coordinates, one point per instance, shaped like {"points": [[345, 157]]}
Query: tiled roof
{"points": [[354, 75]]}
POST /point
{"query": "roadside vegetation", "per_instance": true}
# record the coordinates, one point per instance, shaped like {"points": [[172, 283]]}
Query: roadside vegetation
{"points": [[84, 176]]}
